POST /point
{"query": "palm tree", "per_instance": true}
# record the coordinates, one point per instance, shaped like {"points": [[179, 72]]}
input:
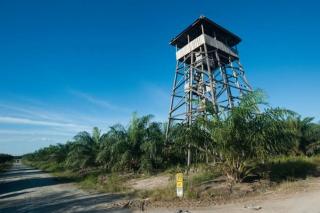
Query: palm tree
{"points": [[246, 136], [139, 147], [152, 147], [145, 140], [58, 153], [195, 138], [114, 150], [84, 149], [308, 134]]}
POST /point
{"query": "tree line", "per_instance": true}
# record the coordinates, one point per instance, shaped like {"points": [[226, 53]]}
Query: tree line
{"points": [[4, 158], [250, 133]]}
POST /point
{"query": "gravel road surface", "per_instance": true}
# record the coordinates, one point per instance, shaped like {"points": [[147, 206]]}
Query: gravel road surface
{"points": [[23, 189]]}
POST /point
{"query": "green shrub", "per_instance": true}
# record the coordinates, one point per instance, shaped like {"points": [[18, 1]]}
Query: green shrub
{"points": [[291, 168]]}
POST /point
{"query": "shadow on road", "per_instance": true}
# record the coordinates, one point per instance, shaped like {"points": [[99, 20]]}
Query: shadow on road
{"points": [[29, 183], [60, 202], [13, 194], [24, 189], [20, 173]]}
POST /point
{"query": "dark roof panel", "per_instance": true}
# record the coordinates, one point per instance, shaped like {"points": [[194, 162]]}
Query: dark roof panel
{"points": [[210, 28]]}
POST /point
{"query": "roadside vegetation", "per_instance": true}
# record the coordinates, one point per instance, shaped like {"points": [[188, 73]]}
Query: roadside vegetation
{"points": [[252, 143], [5, 161]]}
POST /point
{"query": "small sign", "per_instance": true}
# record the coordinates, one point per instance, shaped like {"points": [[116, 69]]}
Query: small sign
{"points": [[179, 184]]}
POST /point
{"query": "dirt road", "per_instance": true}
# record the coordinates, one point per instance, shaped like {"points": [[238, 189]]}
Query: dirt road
{"points": [[24, 189]]}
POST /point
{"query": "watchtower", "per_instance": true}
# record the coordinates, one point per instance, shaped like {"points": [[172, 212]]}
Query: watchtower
{"points": [[208, 71]]}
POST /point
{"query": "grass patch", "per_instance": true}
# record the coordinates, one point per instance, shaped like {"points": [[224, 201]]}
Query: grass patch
{"points": [[114, 183], [89, 182], [104, 182], [194, 183], [95, 180], [203, 177]]}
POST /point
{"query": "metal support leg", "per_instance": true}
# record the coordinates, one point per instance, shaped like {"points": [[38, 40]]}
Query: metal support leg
{"points": [[225, 80], [172, 99]]}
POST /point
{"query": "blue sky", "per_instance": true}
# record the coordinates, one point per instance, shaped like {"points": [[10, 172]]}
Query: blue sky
{"points": [[67, 66]]}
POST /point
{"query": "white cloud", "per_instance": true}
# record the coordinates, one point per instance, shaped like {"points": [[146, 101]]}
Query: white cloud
{"points": [[31, 112], [26, 127], [99, 102], [36, 132], [27, 121]]}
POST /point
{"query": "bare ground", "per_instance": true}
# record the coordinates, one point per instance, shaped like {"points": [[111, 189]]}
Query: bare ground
{"points": [[158, 181], [299, 197]]}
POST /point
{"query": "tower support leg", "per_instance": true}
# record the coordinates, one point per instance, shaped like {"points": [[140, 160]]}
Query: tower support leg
{"points": [[172, 98]]}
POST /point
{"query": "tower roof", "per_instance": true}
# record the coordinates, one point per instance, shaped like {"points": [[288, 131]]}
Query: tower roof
{"points": [[210, 28]]}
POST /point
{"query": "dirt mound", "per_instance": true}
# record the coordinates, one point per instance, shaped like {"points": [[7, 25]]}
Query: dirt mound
{"points": [[149, 183]]}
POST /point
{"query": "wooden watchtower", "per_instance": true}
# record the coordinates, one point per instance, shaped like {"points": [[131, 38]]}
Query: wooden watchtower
{"points": [[208, 71]]}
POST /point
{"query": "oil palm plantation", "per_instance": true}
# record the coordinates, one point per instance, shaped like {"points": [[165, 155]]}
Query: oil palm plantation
{"points": [[237, 140]]}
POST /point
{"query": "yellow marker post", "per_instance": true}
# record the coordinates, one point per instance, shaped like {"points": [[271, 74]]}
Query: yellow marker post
{"points": [[179, 184]]}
